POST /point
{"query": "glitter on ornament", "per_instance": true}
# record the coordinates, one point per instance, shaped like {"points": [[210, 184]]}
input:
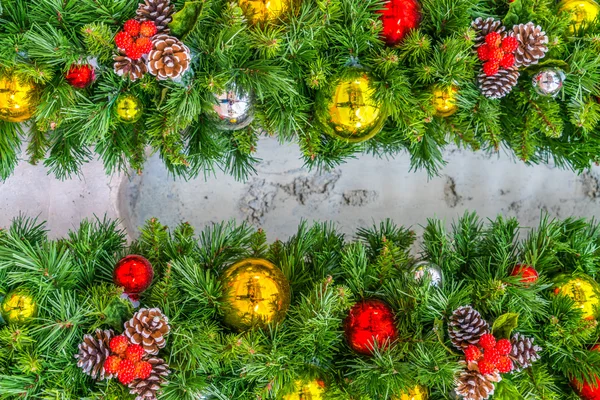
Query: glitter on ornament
{"points": [[81, 76], [370, 323]]}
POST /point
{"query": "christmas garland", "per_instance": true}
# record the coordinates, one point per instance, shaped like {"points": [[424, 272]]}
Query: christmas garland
{"points": [[200, 81], [480, 314]]}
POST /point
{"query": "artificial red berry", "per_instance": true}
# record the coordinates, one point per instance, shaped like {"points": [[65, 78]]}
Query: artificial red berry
{"points": [[143, 44], [483, 52], [503, 346], [486, 367], [510, 44], [111, 364], [134, 352], [472, 353], [126, 371], [493, 39], [487, 341], [123, 40], [132, 27], [143, 369], [496, 55], [491, 68], [134, 53], [119, 344], [504, 365], [148, 29], [507, 61], [492, 356]]}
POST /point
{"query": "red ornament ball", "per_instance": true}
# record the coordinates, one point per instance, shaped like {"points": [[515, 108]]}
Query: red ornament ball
{"points": [[134, 273], [399, 17], [527, 273], [370, 321], [588, 390], [81, 76]]}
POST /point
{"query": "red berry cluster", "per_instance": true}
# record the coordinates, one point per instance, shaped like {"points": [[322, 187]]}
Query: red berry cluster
{"points": [[490, 355], [497, 53], [135, 38], [126, 361]]}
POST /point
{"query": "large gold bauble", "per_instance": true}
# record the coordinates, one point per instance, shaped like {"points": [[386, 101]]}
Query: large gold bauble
{"points": [[307, 390], [583, 11], [352, 113], [256, 293], [416, 393], [260, 11], [18, 307], [128, 108], [444, 100], [584, 291], [16, 99]]}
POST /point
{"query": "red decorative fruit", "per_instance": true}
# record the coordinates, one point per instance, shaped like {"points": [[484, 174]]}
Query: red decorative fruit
{"points": [[483, 52], [472, 353], [504, 365], [111, 364], [510, 44], [81, 76], [486, 367], [507, 61], [492, 356], [123, 40], [134, 352], [493, 39], [495, 55], [143, 44], [370, 322], [487, 341], [134, 273], [134, 53], [119, 344], [527, 273], [132, 27], [148, 29], [126, 371], [142, 370], [491, 68], [399, 17], [503, 346]]}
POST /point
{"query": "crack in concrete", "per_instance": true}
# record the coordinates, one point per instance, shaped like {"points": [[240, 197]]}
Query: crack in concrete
{"points": [[590, 185], [359, 197], [451, 197], [258, 200], [305, 187]]}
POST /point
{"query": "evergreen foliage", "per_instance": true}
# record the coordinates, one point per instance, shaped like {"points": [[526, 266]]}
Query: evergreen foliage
{"points": [[285, 64]]}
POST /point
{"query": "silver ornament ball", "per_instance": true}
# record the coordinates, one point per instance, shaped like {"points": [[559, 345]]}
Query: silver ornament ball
{"points": [[423, 268], [234, 109], [549, 81]]}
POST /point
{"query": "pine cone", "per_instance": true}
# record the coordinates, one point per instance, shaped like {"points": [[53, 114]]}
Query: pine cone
{"points": [[169, 57], [93, 352], [128, 68], [158, 11], [466, 327], [471, 385], [523, 352], [533, 44], [483, 27], [146, 389], [148, 328], [499, 85]]}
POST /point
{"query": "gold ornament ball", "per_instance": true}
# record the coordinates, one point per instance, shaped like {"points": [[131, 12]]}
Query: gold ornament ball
{"points": [[584, 291], [416, 393], [256, 293], [261, 11], [16, 99], [583, 11], [444, 100], [129, 109], [18, 307], [307, 390], [352, 113]]}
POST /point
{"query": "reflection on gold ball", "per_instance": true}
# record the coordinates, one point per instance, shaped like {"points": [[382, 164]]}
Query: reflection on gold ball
{"points": [[256, 293], [416, 393], [307, 390], [128, 108], [18, 307], [584, 291], [444, 100], [263, 10], [16, 99], [582, 11]]}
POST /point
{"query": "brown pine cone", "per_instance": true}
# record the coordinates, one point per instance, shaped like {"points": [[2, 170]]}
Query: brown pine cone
{"points": [[499, 85], [128, 68], [483, 27], [523, 352], [471, 385], [533, 44], [93, 351], [146, 389], [169, 57], [158, 11], [148, 328], [466, 326]]}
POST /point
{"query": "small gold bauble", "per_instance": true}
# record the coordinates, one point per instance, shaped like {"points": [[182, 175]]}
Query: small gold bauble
{"points": [[444, 100], [18, 307], [260, 11], [352, 113], [256, 293], [16, 99], [128, 108], [307, 390], [582, 11], [584, 291], [416, 393]]}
